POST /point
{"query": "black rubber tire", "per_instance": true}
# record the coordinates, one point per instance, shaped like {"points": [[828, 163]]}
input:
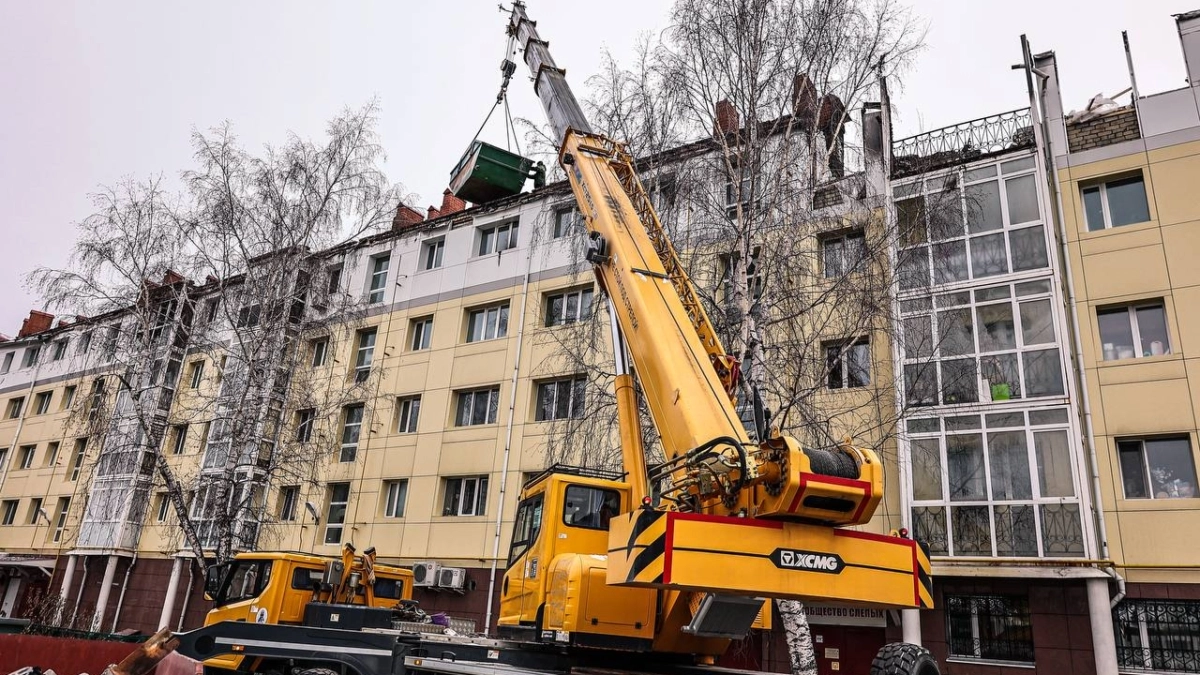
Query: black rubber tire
{"points": [[903, 658]]}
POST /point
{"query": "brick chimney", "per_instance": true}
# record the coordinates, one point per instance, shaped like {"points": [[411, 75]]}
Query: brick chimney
{"points": [[433, 213], [406, 217], [726, 118], [36, 323], [450, 203], [804, 101]]}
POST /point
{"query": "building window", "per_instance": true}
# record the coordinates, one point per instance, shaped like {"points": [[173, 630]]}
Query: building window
{"points": [[990, 344], [364, 354], [77, 458], [60, 350], [1157, 468], [431, 254], [41, 402], [25, 458], [990, 627], [68, 398], [498, 237], [304, 424], [560, 399], [195, 374], [8, 360], [333, 279], [465, 496], [1158, 635], [1134, 331], [378, 280], [352, 417], [179, 434], [567, 221], [1115, 203], [60, 518], [35, 509], [52, 453], [848, 364], [568, 307], [408, 410], [844, 253], [998, 484], [31, 356], [477, 407], [487, 323], [9, 509], [395, 493], [320, 349], [14, 407], [164, 507], [248, 316], [289, 496], [421, 331], [335, 516]]}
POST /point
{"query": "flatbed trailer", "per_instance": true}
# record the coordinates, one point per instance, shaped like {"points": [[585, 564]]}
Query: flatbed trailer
{"points": [[381, 651]]}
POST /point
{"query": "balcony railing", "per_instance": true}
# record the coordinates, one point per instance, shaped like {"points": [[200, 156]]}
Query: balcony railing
{"points": [[962, 142]]}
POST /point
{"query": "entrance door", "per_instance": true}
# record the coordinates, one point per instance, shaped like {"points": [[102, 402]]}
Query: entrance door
{"points": [[846, 650], [10, 596]]}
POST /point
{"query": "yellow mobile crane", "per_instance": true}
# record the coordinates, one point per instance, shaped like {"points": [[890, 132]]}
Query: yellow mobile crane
{"points": [[599, 566]]}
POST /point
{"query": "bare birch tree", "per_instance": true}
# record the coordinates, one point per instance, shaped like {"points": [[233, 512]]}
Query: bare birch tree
{"points": [[227, 274]]}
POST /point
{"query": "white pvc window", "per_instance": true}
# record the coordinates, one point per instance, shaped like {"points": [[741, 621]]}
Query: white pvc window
{"points": [[487, 323], [395, 494], [498, 237], [1115, 203], [378, 281], [1134, 331]]}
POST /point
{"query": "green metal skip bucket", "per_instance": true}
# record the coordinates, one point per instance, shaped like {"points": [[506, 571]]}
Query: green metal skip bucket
{"points": [[486, 173]]}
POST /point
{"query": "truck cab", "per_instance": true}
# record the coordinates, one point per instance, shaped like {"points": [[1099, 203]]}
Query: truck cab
{"points": [[275, 587]]}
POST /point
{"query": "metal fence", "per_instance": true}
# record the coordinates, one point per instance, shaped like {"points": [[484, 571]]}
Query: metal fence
{"points": [[1158, 635], [962, 142]]}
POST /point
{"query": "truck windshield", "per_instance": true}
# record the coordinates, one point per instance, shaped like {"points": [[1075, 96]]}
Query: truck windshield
{"points": [[526, 529], [590, 507], [244, 579]]}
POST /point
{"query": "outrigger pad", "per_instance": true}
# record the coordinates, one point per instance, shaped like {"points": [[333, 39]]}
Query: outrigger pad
{"points": [[767, 558]]}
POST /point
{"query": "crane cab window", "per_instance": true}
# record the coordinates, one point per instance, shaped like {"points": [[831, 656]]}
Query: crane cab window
{"points": [[589, 507], [307, 578], [245, 579], [392, 589], [527, 527]]}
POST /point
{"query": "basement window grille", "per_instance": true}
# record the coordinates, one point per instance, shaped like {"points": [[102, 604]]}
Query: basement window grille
{"points": [[1158, 635], [989, 627]]}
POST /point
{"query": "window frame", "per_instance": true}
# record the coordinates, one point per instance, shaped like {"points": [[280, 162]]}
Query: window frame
{"points": [[844, 254], [163, 508], [179, 434], [42, 401], [289, 498], [319, 352], [196, 376], [576, 387], [433, 253], [62, 511], [1101, 187], [490, 236], [26, 456], [8, 511], [16, 405], [364, 354], [348, 452], [1134, 327], [563, 317], [377, 277], [332, 503], [568, 222], [8, 361], [408, 414], [455, 495], [305, 421], [499, 327], [1142, 623], [1148, 471], [420, 333], [844, 348], [462, 418], [395, 497], [1018, 613]]}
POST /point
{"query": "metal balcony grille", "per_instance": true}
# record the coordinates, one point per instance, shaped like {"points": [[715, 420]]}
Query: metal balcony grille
{"points": [[991, 627], [1158, 635], [962, 142]]}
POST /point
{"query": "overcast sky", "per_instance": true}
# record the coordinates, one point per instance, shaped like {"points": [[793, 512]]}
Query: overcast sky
{"points": [[91, 92]]}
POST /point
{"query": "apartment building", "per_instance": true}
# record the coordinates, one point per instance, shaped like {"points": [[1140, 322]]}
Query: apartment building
{"points": [[1125, 177]]}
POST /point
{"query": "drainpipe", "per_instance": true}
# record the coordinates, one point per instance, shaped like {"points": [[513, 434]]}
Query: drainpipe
{"points": [[1103, 640], [121, 597], [164, 619], [188, 595], [110, 571], [512, 405], [79, 596]]}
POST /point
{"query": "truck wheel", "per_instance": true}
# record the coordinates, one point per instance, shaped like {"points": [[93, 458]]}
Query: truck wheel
{"points": [[903, 658]]}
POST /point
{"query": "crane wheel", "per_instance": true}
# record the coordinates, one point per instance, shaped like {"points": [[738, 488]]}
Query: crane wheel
{"points": [[903, 658]]}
